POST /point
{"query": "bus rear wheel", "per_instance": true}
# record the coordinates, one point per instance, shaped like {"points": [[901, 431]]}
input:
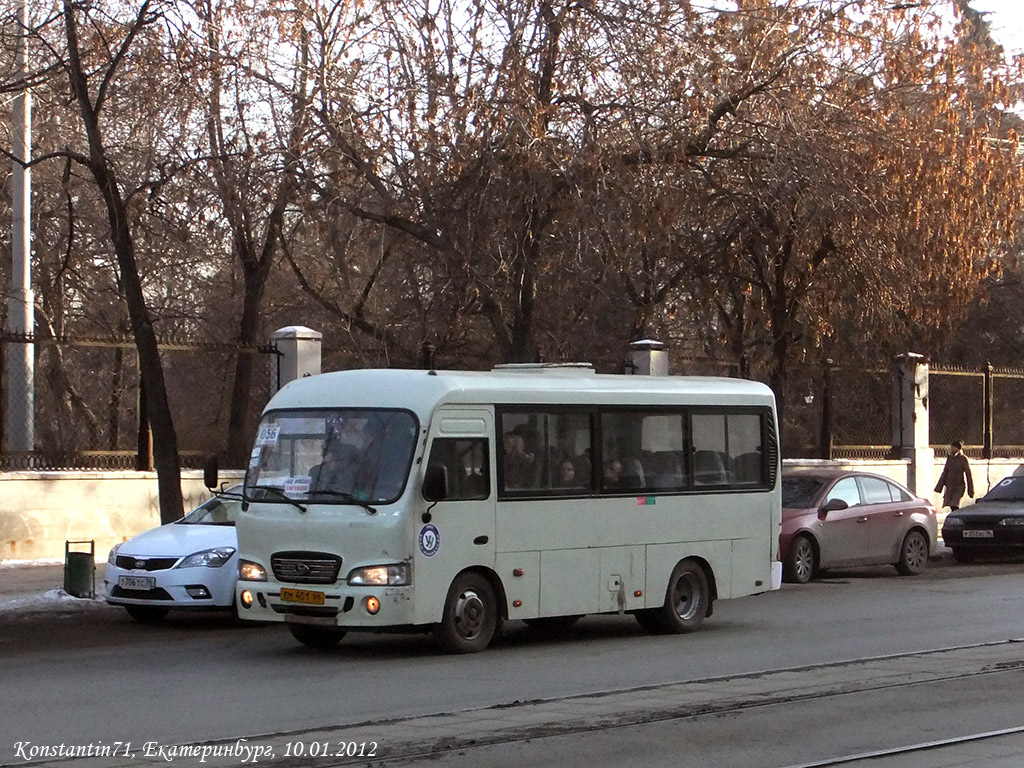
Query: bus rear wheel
{"points": [[320, 638], [470, 616], [687, 602]]}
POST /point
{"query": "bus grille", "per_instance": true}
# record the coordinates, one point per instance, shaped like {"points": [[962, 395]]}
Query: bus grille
{"points": [[305, 567]]}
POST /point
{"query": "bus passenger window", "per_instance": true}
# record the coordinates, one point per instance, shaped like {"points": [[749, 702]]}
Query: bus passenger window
{"points": [[545, 452], [466, 464]]}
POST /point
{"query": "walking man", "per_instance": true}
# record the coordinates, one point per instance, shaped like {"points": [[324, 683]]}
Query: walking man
{"points": [[955, 477]]}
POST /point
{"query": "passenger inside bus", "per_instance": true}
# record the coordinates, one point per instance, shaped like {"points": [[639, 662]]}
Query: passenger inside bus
{"points": [[520, 467], [612, 475], [567, 475]]}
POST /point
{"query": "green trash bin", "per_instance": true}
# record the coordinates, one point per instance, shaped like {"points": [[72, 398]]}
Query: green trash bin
{"points": [[80, 569]]}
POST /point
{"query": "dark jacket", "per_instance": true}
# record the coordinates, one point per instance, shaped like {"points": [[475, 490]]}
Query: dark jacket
{"points": [[956, 474]]}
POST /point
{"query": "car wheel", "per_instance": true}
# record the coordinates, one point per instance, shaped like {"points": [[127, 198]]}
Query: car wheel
{"points": [[470, 616], [801, 561], [687, 602], [320, 638], [964, 554], [913, 554], [146, 614]]}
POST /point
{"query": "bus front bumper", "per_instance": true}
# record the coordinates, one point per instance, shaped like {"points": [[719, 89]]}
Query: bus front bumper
{"points": [[338, 606]]}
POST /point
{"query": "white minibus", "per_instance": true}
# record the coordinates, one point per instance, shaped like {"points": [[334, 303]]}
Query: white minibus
{"points": [[453, 502]]}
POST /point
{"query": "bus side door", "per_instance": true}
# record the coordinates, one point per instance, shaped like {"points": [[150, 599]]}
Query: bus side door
{"points": [[457, 532]]}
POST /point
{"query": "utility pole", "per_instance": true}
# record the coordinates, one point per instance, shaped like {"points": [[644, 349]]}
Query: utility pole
{"points": [[19, 428]]}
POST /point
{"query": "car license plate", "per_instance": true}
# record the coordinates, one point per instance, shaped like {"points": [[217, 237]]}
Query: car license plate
{"points": [[136, 582], [977, 534], [306, 596]]}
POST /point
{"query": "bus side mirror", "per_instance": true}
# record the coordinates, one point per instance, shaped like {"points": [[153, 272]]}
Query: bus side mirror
{"points": [[435, 483], [211, 471]]}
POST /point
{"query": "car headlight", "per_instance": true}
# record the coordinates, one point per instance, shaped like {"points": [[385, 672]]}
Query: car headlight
{"points": [[111, 558], [208, 558], [396, 575], [250, 571], [1012, 521], [953, 522]]}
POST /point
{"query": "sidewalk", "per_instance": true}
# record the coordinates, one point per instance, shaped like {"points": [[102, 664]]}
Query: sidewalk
{"points": [[38, 585]]}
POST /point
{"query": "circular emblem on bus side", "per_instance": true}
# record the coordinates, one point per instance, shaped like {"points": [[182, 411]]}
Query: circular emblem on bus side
{"points": [[430, 540]]}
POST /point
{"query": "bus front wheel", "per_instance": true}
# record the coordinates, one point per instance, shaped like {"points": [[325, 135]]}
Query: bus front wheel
{"points": [[687, 600], [470, 615]]}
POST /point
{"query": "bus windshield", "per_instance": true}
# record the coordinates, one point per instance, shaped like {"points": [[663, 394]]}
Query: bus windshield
{"points": [[337, 456]]}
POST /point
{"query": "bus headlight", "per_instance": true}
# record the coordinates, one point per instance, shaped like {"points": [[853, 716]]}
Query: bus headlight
{"points": [[395, 575], [250, 571]]}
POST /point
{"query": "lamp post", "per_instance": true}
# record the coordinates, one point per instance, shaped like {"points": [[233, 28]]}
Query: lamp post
{"points": [[19, 428]]}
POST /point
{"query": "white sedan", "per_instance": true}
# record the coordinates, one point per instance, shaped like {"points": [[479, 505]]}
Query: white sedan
{"points": [[190, 563]]}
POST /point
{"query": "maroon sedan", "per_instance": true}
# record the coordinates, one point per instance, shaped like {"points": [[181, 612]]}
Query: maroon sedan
{"points": [[834, 517]]}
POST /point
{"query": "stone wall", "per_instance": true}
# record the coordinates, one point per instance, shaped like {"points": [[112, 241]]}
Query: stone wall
{"points": [[39, 511]]}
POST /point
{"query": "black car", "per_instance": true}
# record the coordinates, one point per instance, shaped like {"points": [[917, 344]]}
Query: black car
{"points": [[994, 524]]}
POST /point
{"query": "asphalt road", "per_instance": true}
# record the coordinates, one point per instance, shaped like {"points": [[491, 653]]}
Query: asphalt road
{"points": [[95, 677]]}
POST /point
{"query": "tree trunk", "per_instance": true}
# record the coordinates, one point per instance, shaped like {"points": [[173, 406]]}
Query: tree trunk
{"points": [[165, 442], [239, 427]]}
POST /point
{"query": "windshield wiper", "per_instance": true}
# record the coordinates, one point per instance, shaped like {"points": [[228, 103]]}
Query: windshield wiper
{"points": [[346, 497], [280, 493]]}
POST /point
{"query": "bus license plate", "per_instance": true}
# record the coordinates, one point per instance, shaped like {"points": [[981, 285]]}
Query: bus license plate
{"points": [[977, 534], [306, 596], [136, 582]]}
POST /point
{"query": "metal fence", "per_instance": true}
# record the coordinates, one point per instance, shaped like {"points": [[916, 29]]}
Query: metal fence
{"points": [[980, 408], [88, 414], [88, 402], [847, 412]]}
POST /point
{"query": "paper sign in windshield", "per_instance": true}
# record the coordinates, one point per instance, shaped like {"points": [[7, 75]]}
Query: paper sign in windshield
{"points": [[268, 434], [297, 487]]}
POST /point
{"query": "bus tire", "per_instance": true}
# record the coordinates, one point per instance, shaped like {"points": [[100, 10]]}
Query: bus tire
{"points": [[687, 598], [319, 638], [470, 616]]}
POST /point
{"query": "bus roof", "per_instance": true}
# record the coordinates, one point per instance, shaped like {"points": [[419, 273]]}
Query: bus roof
{"points": [[421, 391]]}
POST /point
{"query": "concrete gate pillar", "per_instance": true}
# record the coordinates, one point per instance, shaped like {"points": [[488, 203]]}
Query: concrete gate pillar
{"points": [[298, 355], [910, 421]]}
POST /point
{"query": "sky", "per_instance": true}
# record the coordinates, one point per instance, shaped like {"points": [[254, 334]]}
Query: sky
{"points": [[1006, 20]]}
